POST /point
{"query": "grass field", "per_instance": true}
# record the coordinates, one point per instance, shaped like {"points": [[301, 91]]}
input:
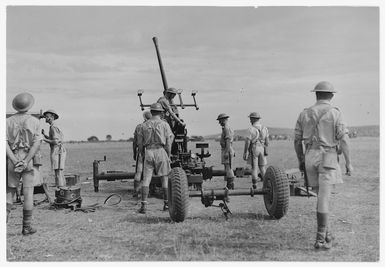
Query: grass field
{"points": [[119, 233]]}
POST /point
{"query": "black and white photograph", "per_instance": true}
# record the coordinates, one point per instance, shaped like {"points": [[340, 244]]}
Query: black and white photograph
{"points": [[221, 132]]}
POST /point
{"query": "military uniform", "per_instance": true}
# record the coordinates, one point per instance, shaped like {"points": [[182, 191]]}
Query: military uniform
{"points": [[156, 159], [58, 152], [168, 107], [227, 134], [321, 141], [321, 128], [23, 139], [22, 131], [258, 136]]}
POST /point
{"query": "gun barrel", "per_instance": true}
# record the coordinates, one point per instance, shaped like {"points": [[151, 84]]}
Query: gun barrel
{"points": [[165, 86]]}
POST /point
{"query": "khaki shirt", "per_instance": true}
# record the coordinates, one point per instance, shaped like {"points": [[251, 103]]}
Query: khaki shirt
{"points": [[155, 132], [258, 134], [55, 134], [227, 133], [22, 131], [137, 133], [331, 127]]}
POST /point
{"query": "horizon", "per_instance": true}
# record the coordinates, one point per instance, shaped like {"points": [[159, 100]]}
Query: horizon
{"points": [[87, 63]]}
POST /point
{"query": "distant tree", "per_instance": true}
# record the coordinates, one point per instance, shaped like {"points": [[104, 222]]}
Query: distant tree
{"points": [[108, 137], [93, 139]]}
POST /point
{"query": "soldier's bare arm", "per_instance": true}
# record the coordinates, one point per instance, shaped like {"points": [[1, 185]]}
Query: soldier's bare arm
{"points": [[10, 154], [344, 143]]}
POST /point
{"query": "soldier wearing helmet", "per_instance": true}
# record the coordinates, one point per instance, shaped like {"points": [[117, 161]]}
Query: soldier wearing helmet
{"points": [[227, 151], [154, 143], [320, 128], [23, 139], [255, 151], [138, 156], [171, 114], [55, 141]]}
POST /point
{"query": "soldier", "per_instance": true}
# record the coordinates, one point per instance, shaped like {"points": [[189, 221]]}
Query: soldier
{"points": [[255, 151], [227, 151], [171, 114], [23, 142], [55, 141], [155, 146], [138, 156], [320, 127]]}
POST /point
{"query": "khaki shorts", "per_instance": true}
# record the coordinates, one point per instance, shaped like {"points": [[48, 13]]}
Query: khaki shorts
{"points": [[316, 173], [55, 158], [226, 158], [257, 156], [156, 161], [30, 176]]}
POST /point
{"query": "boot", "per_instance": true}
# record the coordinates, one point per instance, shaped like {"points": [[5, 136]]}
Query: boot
{"points": [[260, 176], [321, 243], [165, 205], [9, 208], [143, 207], [27, 219]]}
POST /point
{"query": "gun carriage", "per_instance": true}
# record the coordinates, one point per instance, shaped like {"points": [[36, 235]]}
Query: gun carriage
{"points": [[189, 171]]}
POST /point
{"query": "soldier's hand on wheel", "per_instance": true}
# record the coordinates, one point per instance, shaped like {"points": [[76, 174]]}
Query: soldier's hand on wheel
{"points": [[349, 169]]}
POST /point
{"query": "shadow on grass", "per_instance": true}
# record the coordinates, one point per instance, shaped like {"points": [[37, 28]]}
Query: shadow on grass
{"points": [[146, 219], [221, 217]]}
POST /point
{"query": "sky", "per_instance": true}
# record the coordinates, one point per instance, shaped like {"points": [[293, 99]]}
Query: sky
{"points": [[88, 63]]}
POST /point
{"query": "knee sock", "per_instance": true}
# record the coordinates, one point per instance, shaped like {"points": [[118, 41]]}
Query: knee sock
{"points": [[322, 222], [165, 196], [145, 190], [136, 186], [27, 218]]}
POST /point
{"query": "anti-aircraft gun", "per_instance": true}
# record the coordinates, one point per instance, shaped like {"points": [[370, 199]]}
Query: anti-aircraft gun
{"points": [[189, 169]]}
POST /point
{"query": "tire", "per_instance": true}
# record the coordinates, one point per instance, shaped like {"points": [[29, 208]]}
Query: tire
{"points": [[277, 200], [178, 194]]}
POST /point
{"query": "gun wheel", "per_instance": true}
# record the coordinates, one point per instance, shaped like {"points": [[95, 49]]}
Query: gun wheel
{"points": [[277, 199], [178, 195]]}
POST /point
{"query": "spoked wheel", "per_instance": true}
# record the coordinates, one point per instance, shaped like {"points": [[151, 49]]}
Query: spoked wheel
{"points": [[178, 194], [277, 198]]}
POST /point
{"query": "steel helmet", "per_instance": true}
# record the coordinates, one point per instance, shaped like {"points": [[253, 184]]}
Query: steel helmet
{"points": [[147, 115], [254, 115], [156, 107], [222, 116], [23, 102], [53, 112], [171, 90], [324, 87]]}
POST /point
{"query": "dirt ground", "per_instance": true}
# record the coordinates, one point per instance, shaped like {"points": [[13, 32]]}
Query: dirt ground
{"points": [[119, 233]]}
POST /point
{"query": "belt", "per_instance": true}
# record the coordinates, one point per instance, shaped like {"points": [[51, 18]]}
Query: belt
{"points": [[318, 146], [154, 146]]}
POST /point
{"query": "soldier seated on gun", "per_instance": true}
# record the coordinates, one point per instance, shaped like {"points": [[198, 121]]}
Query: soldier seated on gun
{"points": [[171, 114], [227, 151], [255, 151], [154, 143], [138, 156]]}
